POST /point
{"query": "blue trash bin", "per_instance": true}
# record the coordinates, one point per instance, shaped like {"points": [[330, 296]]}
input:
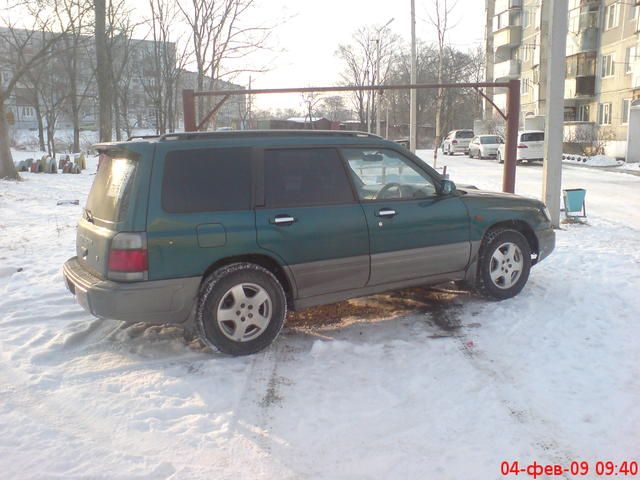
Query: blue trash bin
{"points": [[574, 202]]}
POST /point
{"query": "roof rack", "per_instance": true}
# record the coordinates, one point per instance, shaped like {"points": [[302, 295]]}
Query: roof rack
{"points": [[142, 137], [262, 133]]}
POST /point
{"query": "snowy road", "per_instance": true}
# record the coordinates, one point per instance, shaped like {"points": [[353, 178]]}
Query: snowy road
{"points": [[610, 195], [414, 384]]}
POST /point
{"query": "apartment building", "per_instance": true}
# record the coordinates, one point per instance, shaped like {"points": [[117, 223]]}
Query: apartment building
{"points": [[44, 94], [602, 76]]}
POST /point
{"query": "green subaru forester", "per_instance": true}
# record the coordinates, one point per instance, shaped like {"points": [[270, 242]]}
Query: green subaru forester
{"points": [[226, 230]]}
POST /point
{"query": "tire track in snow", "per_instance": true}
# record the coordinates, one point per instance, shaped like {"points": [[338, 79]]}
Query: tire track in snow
{"points": [[260, 394], [449, 322]]}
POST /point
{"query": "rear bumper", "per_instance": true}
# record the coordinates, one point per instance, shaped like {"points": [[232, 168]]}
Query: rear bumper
{"points": [[159, 301], [546, 242]]}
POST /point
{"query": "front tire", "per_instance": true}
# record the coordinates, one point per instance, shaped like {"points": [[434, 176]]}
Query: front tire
{"points": [[241, 309], [504, 264]]}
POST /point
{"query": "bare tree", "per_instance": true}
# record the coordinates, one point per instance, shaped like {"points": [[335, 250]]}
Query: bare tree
{"points": [[220, 36], [168, 59], [75, 14], [22, 49], [335, 109], [440, 19], [361, 57], [103, 72], [310, 100], [119, 47]]}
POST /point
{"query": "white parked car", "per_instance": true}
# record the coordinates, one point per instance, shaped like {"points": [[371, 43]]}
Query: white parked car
{"points": [[530, 147], [457, 141], [485, 146]]}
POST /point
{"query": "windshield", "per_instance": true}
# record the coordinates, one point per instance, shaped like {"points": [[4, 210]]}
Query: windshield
{"points": [[490, 139], [109, 196]]}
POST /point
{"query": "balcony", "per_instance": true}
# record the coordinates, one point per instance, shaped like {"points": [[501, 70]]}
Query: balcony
{"points": [[584, 41], [579, 87], [503, 5], [506, 70], [508, 37]]}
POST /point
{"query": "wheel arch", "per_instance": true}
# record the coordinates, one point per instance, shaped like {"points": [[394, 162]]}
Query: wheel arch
{"points": [[265, 261], [520, 226]]}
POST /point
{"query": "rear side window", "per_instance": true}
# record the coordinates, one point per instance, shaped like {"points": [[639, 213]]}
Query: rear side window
{"points": [[464, 134], [305, 177], [110, 192], [532, 137], [207, 180]]}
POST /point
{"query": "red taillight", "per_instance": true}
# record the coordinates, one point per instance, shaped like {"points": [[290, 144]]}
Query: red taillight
{"points": [[522, 145], [128, 260]]}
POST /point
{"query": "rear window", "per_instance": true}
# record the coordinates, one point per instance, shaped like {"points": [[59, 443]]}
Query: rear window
{"points": [[207, 180], [489, 140], [110, 193], [532, 137], [464, 134]]}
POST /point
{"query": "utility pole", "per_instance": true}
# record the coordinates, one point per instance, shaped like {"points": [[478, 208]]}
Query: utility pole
{"points": [[378, 93], [553, 134], [413, 114]]}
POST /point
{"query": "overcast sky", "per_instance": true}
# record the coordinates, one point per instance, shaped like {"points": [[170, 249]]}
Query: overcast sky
{"points": [[314, 29]]}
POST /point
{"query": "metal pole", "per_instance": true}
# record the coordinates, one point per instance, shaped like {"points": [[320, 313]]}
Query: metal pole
{"points": [[511, 142], [413, 115], [554, 99], [189, 110], [377, 93]]}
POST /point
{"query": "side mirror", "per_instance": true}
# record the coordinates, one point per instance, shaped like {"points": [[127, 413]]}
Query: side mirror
{"points": [[447, 187]]}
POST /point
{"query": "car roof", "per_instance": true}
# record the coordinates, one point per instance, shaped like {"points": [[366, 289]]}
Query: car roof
{"points": [[531, 131], [250, 137]]}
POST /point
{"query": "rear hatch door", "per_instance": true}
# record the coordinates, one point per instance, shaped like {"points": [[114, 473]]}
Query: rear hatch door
{"points": [[535, 145], [112, 206]]}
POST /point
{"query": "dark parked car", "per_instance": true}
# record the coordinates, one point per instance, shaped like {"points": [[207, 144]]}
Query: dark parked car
{"points": [[226, 230]]}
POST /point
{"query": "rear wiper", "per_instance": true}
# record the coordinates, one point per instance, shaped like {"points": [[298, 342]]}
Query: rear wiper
{"points": [[88, 215]]}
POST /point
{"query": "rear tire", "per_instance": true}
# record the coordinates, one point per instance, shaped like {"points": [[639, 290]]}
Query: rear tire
{"points": [[241, 309], [504, 264]]}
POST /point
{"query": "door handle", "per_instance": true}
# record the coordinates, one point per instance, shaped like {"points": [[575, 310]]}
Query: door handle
{"points": [[386, 212], [283, 220]]}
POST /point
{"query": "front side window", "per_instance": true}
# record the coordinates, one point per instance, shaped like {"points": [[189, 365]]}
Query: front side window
{"points": [[305, 177], [381, 174], [207, 180]]}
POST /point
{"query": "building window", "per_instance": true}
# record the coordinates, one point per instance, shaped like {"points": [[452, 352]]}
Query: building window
{"points": [[608, 65], [612, 16], [626, 106], [583, 113], [604, 114], [629, 58], [27, 113], [634, 12], [525, 86]]}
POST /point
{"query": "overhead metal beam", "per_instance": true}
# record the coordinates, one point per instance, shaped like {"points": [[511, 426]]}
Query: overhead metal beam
{"points": [[512, 115], [350, 88]]}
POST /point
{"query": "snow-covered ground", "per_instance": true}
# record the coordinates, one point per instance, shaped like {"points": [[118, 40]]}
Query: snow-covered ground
{"points": [[433, 384]]}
